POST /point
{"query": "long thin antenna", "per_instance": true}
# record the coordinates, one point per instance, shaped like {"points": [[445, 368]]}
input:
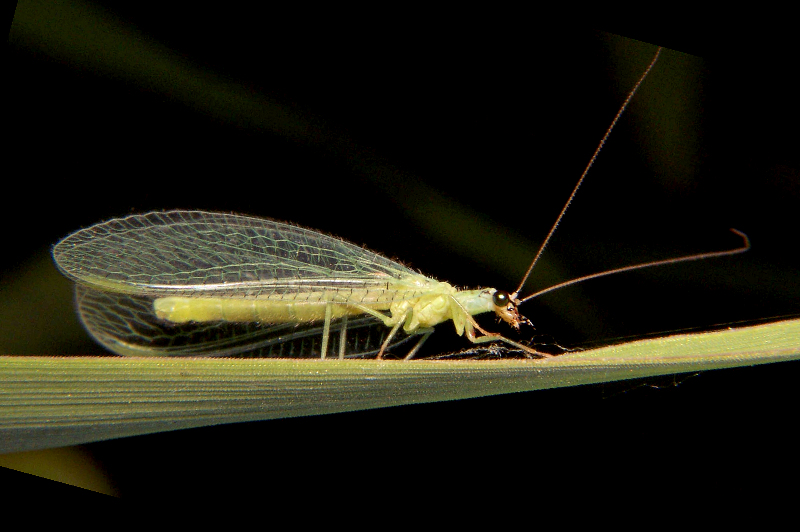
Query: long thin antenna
{"points": [[699, 256], [575, 190]]}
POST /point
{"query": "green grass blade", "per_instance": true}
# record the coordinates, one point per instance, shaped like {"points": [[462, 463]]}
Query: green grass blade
{"points": [[52, 401]]}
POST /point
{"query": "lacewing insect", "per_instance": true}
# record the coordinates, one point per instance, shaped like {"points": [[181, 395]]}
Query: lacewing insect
{"points": [[194, 283]]}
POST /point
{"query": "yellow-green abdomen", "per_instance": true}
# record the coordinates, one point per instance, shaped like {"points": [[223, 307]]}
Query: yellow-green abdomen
{"points": [[192, 309]]}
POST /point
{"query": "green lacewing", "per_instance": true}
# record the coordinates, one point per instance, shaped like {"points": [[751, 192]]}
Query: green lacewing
{"points": [[196, 283]]}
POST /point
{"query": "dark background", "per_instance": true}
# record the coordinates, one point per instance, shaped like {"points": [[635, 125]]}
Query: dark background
{"points": [[449, 149]]}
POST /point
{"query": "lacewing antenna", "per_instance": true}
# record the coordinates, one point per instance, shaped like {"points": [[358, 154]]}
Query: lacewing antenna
{"points": [[699, 256]]}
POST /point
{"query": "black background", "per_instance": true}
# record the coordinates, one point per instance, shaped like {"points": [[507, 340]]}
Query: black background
{"points": [[414, 139]]}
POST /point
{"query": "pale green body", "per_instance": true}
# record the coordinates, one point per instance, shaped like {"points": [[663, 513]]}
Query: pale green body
{"points": [[442, 304], [187, 283]]}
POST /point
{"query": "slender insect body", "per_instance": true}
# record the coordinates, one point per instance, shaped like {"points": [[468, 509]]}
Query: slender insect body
{"points": [[441, 303], [179, 282], [401, 297]]}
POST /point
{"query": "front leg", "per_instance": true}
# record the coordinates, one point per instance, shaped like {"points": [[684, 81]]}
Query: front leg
{"points": [[492, 337]]}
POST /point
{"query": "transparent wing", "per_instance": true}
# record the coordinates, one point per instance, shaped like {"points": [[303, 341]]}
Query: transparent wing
{"points": [[121, 266], [125, 324], [205, 254]]}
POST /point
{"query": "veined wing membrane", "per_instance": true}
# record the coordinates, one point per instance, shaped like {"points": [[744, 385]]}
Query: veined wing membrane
{"points": [[202, 254], [191, 283]]}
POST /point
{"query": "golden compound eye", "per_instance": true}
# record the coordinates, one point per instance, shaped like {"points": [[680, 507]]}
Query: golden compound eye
{"points": [[501, 298]]}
